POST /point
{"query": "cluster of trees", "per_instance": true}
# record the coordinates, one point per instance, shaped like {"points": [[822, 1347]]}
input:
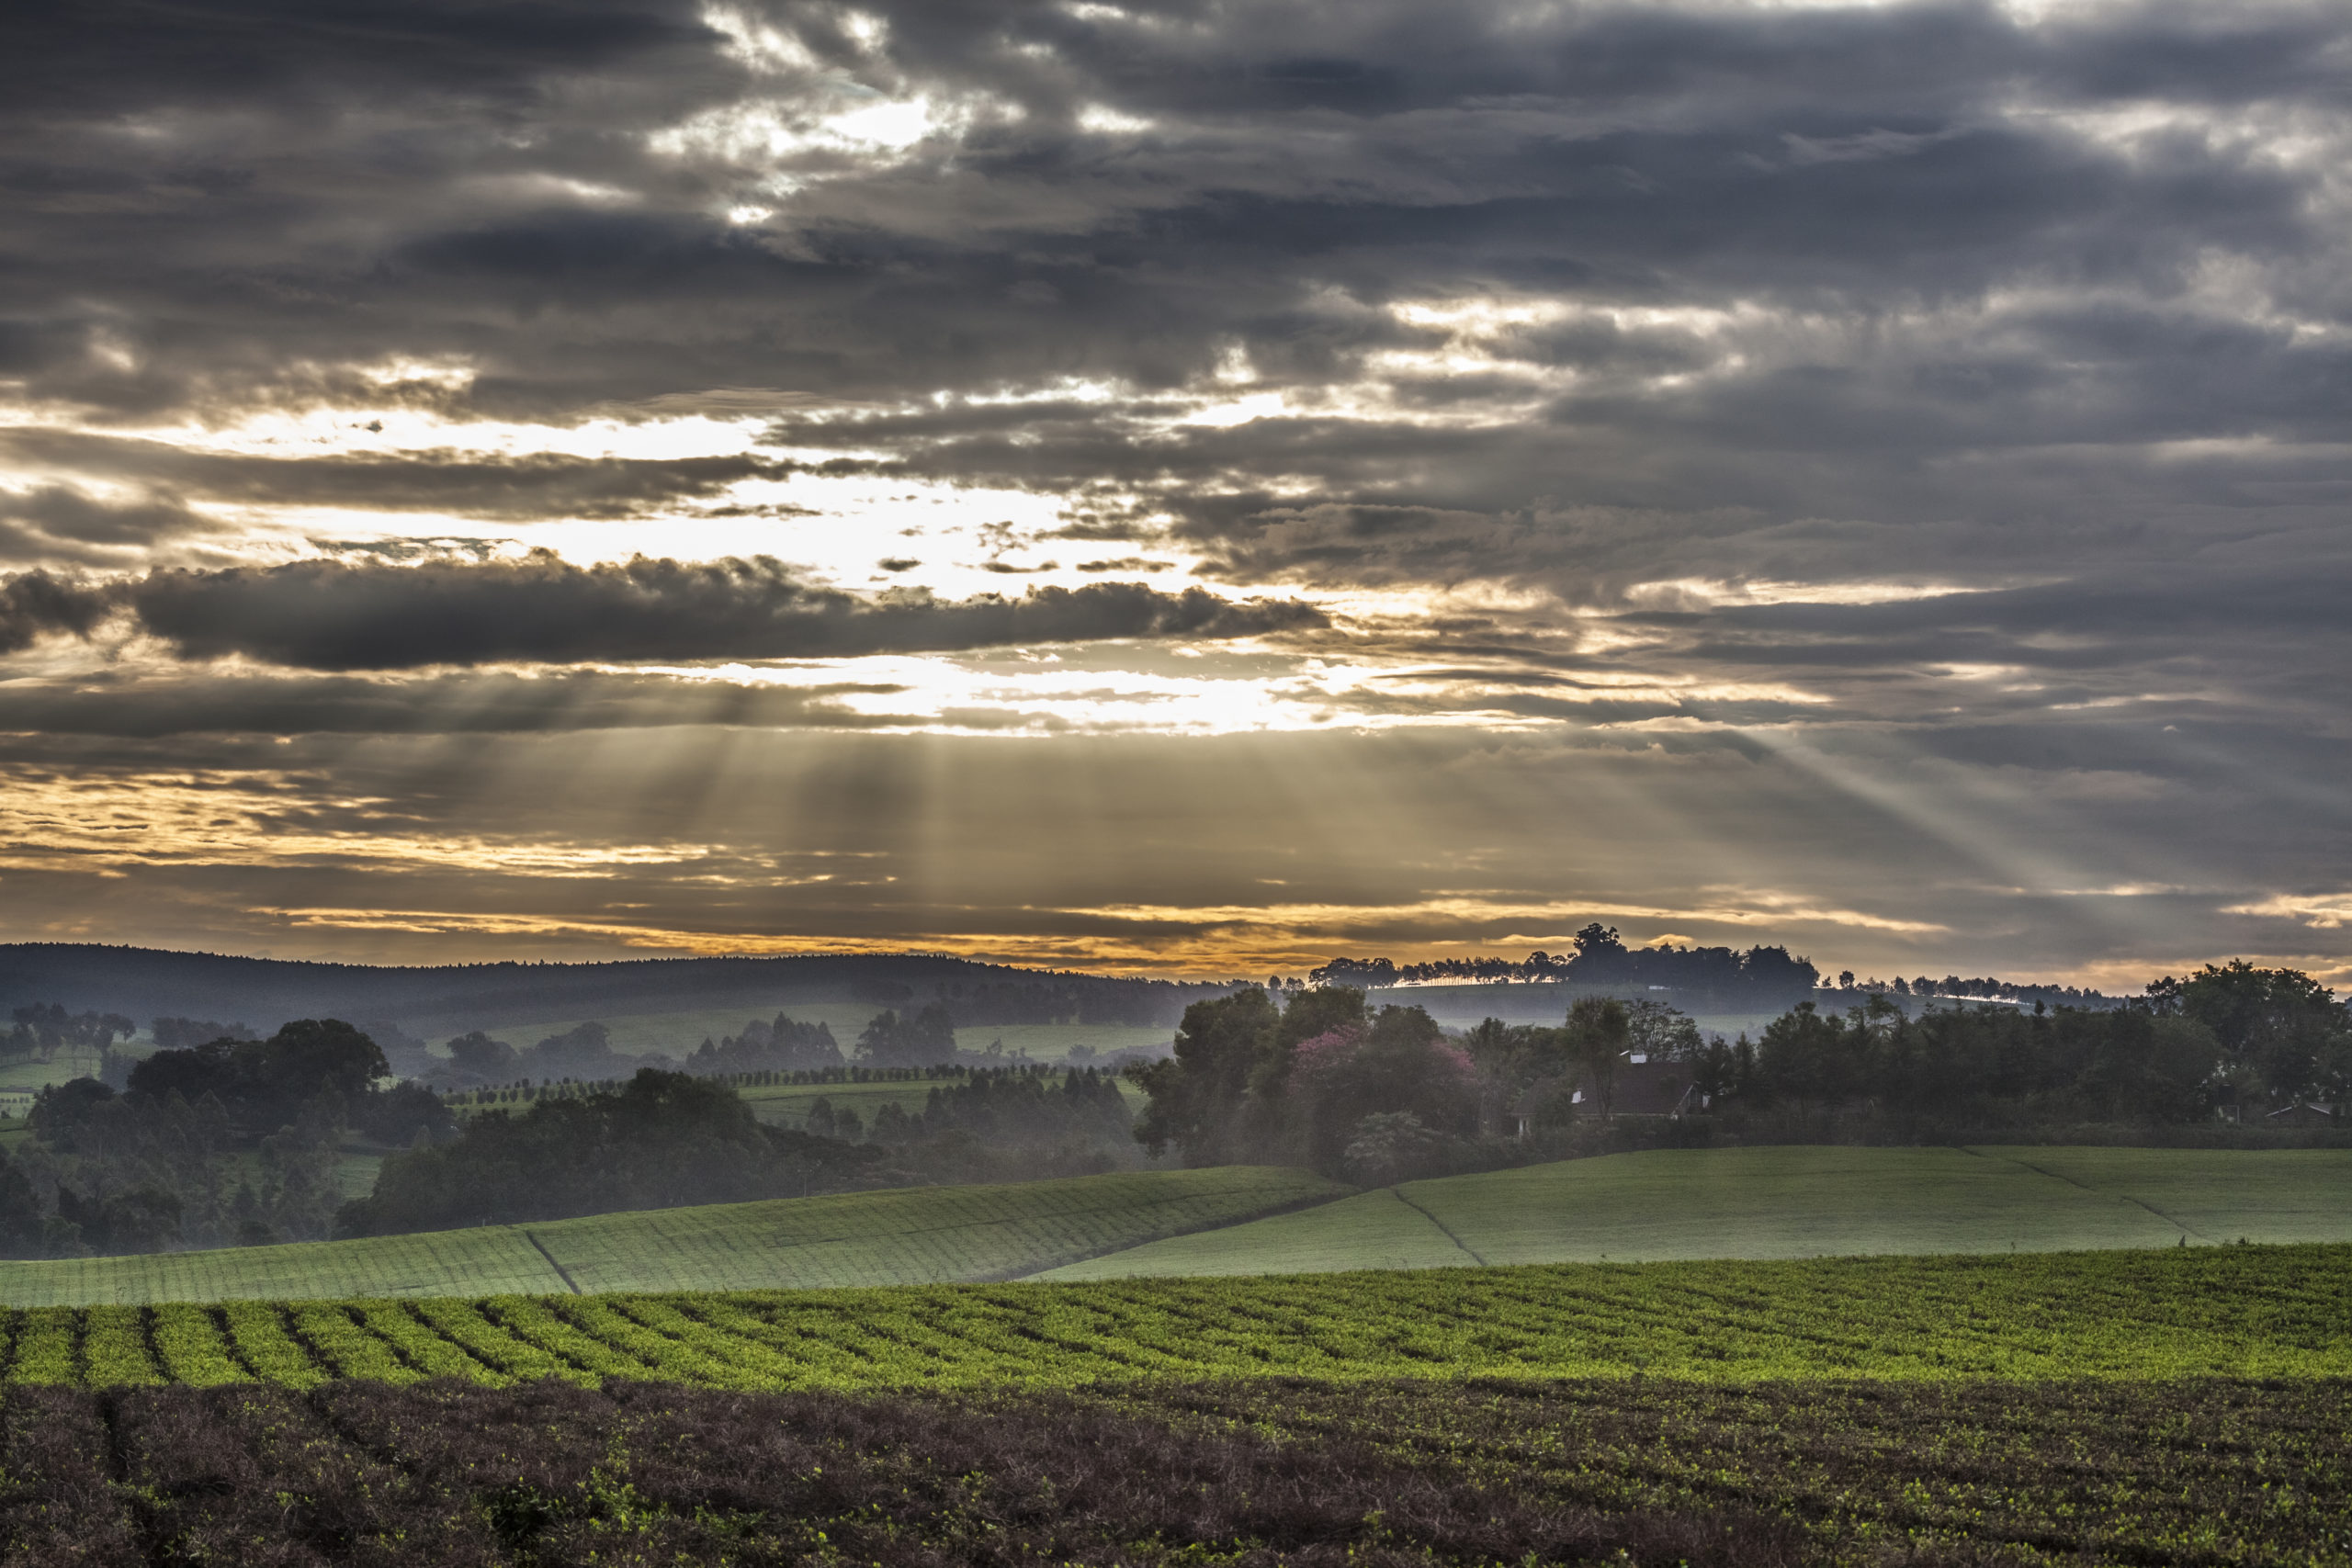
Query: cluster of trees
{"points": [[1981, 1066], [107, 1173], [1952, 987], [664, 1139], [1020, 1123], [1008, 1107], [1320, 1078], [1602, 958], [920, 1040], [1324, 1080], [584, 1051], [181, 1033], [2283, 1035], [234, 1141], [44, 1029], [1540, 1070], [2230, 1035], [781, 1046], [1252, 1081]]}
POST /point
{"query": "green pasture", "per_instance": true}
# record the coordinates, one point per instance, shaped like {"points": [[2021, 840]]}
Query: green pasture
{"points": [[1786, 1202], [354, 1173], [679, 1035], [787, 1105], [28, 1077], [901, 1235]]}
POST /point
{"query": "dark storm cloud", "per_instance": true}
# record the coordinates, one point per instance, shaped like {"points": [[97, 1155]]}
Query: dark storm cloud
{"points": [[1842, 311], [61, 522], [421, 181], [35, 605], [151, 708], [484, 185], [488, 486], [331, 616]]}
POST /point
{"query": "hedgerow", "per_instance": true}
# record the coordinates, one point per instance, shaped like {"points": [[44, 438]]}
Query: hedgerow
{"points": [[493, 1345], [258, 1329], [44, 1347], [114, 1348], [190, 1344]]}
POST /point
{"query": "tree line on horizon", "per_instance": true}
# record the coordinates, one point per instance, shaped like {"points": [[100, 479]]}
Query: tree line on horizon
{"points": [[1600, 958], [1322, 1078]]}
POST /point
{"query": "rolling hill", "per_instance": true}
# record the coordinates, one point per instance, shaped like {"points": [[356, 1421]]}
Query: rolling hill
{"points": [[1784, 1203], [905, 1236]]}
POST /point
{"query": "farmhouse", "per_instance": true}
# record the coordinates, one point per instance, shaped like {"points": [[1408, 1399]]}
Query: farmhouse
{"points": [[1641, 1086]]}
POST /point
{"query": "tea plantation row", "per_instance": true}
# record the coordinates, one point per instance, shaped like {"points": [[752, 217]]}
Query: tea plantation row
{"points": [[1379, 1474], [2227, 1312]]}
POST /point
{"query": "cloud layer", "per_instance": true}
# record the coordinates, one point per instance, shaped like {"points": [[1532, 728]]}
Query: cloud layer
{"points": [[1945, 404], [332, 616]]}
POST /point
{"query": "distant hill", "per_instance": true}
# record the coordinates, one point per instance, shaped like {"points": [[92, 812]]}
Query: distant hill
{"points": [[145, 983]]}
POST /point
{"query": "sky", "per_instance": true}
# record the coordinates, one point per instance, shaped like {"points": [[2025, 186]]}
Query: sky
{"points": [[1196, 487]]}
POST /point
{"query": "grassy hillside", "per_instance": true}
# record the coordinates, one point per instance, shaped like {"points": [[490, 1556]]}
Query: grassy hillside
{"points": [[1786, 1202], [2172, 1313], [904, 1235]]}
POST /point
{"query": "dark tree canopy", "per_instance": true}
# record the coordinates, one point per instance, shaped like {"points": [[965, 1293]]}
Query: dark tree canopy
{"points": [[1198, 1093], [264, 1083], [2282, 1028], [925, 1039], [663, 1140], [1400, 1064]]}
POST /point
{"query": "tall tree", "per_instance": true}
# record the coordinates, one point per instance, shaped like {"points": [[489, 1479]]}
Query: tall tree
{"points": [[2282, 1028], [1598, 1036], [1198, 1093]]}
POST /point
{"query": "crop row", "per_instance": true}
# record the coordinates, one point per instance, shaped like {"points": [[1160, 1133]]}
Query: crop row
{"points": [[2275, 1312], [2205, 1473]]}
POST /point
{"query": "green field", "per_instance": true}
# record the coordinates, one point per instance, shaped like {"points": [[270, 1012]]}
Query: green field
{"points": [[679, 1035], [1786, 1202], [905, 1235], [2172, 1314], [19, 1081], [787, 1105]]}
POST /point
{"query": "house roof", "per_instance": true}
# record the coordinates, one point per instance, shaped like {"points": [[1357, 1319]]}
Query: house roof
{"points": [[1641, 1088], [1650, 1088]]}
